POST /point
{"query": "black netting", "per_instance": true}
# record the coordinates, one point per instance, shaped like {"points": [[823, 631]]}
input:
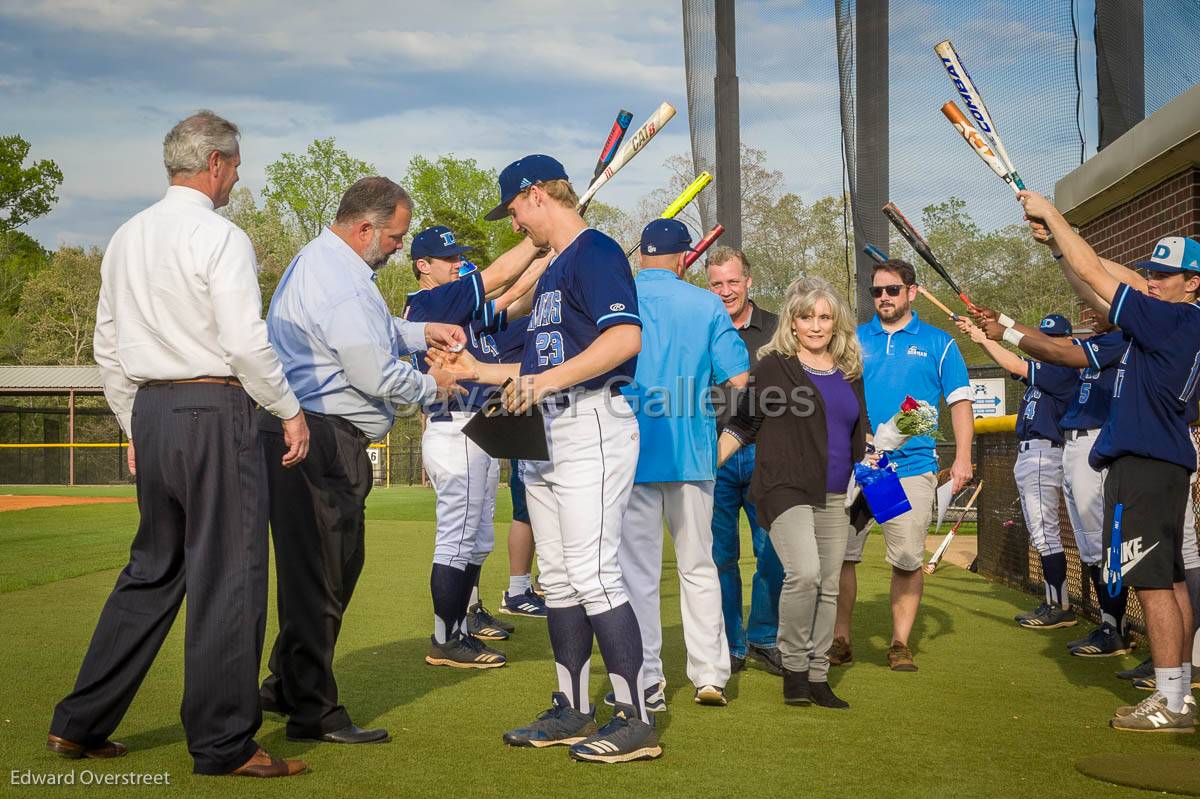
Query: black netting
{"points": [[1172, 58], [700, 58]]}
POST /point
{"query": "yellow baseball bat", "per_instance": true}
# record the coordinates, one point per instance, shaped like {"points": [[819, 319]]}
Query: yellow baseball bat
{"points": [[687, 195]]}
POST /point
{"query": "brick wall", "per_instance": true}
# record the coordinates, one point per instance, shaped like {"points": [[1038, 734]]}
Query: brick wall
{"points": [[1127, 233]]}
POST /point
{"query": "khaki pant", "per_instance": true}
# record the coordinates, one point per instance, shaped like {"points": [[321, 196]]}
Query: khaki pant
{"points": [[811, 543], [904, 535]]}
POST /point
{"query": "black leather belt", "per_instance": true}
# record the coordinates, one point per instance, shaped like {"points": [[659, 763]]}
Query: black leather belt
{"points": [[1072, 435], [1024, 446]]}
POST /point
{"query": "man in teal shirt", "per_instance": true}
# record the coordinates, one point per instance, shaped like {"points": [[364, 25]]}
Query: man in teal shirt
{"points": [[688, 346]]}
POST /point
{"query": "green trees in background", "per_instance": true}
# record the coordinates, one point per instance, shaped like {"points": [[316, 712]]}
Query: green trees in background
{"points": [[304, 190], [57, 316], [26, 192]]}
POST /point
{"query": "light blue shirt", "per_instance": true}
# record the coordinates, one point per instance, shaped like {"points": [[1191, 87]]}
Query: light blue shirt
{"points": [[340, 346], [920, 361], [688, 345]]}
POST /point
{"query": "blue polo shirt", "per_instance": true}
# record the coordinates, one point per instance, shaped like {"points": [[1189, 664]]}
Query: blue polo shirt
{"points": [[688, 345], [918, 360]]}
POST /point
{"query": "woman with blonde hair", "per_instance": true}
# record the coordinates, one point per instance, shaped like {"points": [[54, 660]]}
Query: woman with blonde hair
{"points": [[806, 411]]}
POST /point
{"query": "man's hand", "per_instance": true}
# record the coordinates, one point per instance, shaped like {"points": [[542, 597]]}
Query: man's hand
{"points": [[444, 337], [1039, 212], [971, 330], [453, 366], [982, 314], [522, 393], [131, 459], [295, 438], [961, 472]]}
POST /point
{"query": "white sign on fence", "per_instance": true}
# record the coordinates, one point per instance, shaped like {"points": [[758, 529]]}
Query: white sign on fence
{"points": [[987, 396]]}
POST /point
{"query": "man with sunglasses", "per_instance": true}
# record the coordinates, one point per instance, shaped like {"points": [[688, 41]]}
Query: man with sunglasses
{"points": [[465, 477], [903, 355]]}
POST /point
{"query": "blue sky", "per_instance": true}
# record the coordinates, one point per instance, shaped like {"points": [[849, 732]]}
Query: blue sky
{"points": [[95, 84]]}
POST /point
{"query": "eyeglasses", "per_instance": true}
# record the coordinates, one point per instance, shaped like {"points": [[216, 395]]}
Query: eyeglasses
{"points": [[892, 291]]}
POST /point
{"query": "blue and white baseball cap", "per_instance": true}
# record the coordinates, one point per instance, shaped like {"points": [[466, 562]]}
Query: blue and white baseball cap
{"points": [[436, 242], [1174, 254], [520, 175], [1055, 325], [665, 237]]}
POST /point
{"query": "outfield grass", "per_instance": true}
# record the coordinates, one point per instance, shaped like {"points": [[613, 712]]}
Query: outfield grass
{"points": [[994, 710]]}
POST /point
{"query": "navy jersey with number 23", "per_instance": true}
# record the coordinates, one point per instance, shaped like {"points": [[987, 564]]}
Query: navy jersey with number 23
{"points": [[587, 289]]}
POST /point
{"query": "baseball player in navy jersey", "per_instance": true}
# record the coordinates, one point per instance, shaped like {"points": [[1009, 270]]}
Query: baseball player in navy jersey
{"points": [[1039, 466], [464, 476], [1146, 445], [689, 345], [1083, 486], [583, 337]]}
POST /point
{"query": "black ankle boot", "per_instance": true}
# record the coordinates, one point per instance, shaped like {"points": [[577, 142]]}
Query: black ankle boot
{"points": [[822, 695], [795, 687]]}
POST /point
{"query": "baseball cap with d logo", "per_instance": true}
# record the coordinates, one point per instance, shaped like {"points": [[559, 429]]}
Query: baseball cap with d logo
{"points": [[1174, 254]]}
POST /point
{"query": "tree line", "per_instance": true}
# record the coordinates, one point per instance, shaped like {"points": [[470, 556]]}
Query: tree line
{"points": [[48, 299]]}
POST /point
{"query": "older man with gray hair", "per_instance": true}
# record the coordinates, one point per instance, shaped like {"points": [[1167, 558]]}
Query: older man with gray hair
{"points": [[185, 357], [342, 352]]}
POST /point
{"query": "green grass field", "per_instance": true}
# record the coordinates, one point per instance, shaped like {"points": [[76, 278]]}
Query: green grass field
{"points": [[993, 711]]}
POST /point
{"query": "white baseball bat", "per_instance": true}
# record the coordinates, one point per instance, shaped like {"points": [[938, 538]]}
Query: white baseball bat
{"points": [[941, 550], [630, 148], [975, 106]]}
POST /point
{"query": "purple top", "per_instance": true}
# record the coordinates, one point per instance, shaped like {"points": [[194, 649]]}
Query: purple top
{"points": [[841, 414]]}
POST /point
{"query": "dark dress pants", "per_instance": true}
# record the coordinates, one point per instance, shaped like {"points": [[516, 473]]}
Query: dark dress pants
{"points": [[201, 486], [317, 526]]}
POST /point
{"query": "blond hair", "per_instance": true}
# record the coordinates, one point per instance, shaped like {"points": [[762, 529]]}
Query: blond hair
{"points": [[561, 191], [801, 298]]}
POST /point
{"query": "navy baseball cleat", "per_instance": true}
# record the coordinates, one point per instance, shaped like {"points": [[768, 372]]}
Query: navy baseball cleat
{"points": [[482, 624], [1104, 642], [655, 698], [1051, 617], [528, 604], [623, 739], [561, 725], [463, 653]]}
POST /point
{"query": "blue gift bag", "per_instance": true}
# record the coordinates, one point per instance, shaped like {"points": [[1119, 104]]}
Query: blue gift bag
{"points": [[881, 487]]}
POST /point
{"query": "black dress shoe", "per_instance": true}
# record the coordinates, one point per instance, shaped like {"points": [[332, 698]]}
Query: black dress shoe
{"points": [[796, 688], [766, 656], [736, 664], [822, 695], [350, 734]]}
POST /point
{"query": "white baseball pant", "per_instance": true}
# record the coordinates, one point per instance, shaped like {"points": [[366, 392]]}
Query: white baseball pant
{"points": [[577, 500], [687, 507], [465, 478], [1039, 475], [1083, 488]]}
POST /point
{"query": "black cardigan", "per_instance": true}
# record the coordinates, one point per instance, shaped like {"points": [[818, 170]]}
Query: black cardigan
{"points": [[792, 447]]}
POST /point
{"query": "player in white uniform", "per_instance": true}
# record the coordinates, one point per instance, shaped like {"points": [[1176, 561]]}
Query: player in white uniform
{"points": [[584, 334], [464, 476]]}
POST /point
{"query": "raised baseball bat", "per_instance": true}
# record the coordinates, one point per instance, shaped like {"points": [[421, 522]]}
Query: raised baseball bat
{"points": [[974, 101], [979, 144], [878, 255], [680, 202], [620, 125], [629, 149], [703, 245], [941, 550], [921, 247], [929, 296]]}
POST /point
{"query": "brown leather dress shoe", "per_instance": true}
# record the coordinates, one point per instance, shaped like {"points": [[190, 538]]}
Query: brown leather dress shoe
{"points": [[74, 751], [266, 765]]}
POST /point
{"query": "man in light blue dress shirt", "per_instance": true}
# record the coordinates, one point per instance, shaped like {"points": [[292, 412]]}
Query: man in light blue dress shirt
{"points": [[688, 345], [342, 352]]}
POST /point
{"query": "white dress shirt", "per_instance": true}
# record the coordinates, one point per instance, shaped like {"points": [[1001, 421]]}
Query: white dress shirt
{"points": [[179, 298], [341, 348]]}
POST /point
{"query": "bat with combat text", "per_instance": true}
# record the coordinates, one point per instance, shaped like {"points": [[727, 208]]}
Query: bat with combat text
{"points": [[983, 124], [629, 149]]}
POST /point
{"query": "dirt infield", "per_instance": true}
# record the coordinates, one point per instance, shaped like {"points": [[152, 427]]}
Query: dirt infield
{"points": [[16, 502]]}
